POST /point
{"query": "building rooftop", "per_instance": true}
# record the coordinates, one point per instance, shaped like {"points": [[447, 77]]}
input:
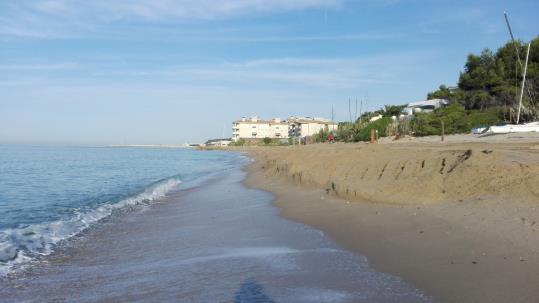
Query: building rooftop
{"points": [[310, 120], [433, 102], [248, 121], [292, 119]]}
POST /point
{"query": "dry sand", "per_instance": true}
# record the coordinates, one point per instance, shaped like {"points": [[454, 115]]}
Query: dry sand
{"points": [[459, 219]]}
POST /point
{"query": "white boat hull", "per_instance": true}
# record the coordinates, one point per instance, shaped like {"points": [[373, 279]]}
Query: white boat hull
{"points": [[513, 128]]}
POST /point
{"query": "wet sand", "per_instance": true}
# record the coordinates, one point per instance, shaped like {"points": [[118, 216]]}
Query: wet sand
{"points": [[461, 247], [220, 242]]}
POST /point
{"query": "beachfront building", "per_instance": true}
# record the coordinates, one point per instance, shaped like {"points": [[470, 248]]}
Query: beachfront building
{"points": [[254, 128], [302, 127], [297, 127]]}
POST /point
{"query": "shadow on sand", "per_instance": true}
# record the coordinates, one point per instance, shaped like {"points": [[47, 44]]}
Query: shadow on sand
{"points": [[252, 292]]}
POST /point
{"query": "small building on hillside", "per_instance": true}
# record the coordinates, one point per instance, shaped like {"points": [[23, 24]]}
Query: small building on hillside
{"points": [[254, 128], [375, 118], [306, 126], [425, 106]]}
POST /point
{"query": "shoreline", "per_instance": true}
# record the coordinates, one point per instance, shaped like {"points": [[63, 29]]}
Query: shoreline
{"points": [[478, 248], [218, 241]]}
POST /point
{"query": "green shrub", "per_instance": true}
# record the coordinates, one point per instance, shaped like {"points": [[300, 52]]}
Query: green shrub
{"points": [[240, 142], [321, 136], [267, 141], [364, 134], [476, 119], [456, 120], [345, 131]]}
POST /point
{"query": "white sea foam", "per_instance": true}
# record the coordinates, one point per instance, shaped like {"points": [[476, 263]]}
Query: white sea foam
{"points": [[18, 245], [252, 252], [321, 295]]}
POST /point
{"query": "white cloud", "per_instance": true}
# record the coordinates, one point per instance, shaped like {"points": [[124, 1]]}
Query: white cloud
{"points": [[205, 9], [38, 67], [347, 72], [486, 21], [286, 72], [281, 72], [346, 37], [263, 73], [61, 18]]}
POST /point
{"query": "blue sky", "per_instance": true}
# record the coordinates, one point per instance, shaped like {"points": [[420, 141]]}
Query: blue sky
{"points": [[164, 71]]}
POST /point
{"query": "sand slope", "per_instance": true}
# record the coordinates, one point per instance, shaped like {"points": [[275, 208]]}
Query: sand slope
{"points": [[411, 172]]}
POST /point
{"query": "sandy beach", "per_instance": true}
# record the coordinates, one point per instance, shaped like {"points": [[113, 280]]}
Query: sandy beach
{"points": [[458, 219]]}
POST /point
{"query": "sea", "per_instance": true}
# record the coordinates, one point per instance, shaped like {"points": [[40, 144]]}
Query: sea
{"points": [[50, 193], [113, 224]]}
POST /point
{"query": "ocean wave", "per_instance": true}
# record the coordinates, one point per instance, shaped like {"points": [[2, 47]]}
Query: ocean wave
{"points": [[19, 245]]}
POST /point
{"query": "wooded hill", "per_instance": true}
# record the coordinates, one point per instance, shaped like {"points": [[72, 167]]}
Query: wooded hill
{"points": [[493, 80]]}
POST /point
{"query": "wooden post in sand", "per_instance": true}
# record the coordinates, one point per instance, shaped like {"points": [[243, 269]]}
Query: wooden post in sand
{"points": [[374, 136], [443, 130]]}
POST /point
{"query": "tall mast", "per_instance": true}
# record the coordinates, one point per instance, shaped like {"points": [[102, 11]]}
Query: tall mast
{"points": [[367, 100], [360, 110], [517, 52], [349, 111], [355, 114], [512, 37], [523, 82]]}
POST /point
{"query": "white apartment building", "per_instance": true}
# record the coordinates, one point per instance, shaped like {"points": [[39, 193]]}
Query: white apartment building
{"points": [[307, 126], [254, 128]]}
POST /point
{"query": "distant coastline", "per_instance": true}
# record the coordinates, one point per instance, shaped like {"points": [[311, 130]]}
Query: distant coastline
{"points": [[153, 145]]}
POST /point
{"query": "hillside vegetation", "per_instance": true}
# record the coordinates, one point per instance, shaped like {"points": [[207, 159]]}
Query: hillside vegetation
{"points": [[487, 94], [493, 79]]}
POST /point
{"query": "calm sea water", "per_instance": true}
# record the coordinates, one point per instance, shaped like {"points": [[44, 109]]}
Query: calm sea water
{"points": [[51, 193]]}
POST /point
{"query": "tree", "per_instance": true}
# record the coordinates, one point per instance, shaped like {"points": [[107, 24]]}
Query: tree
{"points": [[392, 110], [267, 140], [443, 92], [493, 80]]}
